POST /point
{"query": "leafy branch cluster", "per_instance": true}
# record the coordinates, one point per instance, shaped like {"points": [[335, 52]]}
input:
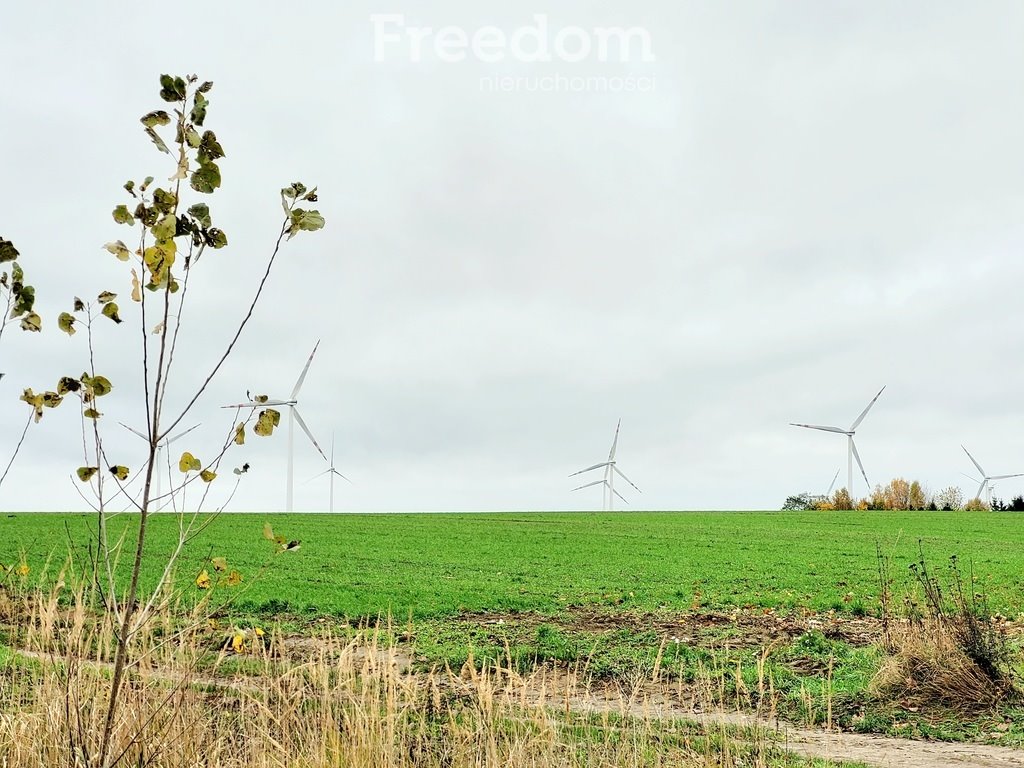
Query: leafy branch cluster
{"points": [[167, 242]]}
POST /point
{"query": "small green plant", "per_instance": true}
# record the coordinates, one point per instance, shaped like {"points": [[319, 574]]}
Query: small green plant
{"points": [[167, 246]]}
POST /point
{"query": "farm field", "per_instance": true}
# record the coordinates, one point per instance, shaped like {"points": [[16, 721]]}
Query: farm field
{"points": [[698, 610], [438, 565]]}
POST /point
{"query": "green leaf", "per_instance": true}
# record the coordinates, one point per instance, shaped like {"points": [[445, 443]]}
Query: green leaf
{"points": [[110, 310], [215, 238], [155, 118], [7, 251], [201, 213], [209, 147], [159, 259], [199, 105], [145, 183], [106, 297], [120, 472], [205, 87], [297, 189], [91, 413], [119, 249], [163, 200], [123, 216], [189, 463], [172, 88], [304, 221], [66, 322], [79, 305], [206, 179], [32, 322], [155, 138], [85, 473], [96, 386], [165, 228]]}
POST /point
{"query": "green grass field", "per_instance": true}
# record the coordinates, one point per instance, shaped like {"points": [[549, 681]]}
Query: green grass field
{"points": [[436, 565]]}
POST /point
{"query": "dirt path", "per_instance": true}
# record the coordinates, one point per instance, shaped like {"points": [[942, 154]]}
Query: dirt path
{"points": [[873, 750]]}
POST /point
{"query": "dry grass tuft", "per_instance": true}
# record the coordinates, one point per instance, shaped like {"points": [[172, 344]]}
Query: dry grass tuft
{"points": [[190, 701], [927, 665]]}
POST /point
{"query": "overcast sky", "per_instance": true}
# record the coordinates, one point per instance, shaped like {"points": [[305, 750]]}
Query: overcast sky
{"points": [[805, 201]]}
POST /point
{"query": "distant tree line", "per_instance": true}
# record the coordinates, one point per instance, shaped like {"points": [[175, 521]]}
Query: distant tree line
{"points": [[900, 494]]}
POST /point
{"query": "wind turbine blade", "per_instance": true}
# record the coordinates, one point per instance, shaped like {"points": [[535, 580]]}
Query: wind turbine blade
{"points": [[134, 431], [315, 477], [972, 478], [615, 442], [1003, 477], [974, 461], [596, 482], [332, 450], [620, 496], [856, 455], [815, 426], [302, 376], [981, 488], [171, 440], [623, 476], [596, 466], [833, 483], [332, 469], [305, 429], [865, 412], [254, 404]]}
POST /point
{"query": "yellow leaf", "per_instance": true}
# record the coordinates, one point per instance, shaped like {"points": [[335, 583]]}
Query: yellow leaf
{"points": [[85, 473], [66, 322], [136, 286], [238, 642], [207, 475], [219, 563], [189, 463], [32, 322], [91, 413], [268, 532], [158, 328], [106, 297], [120, 472], [266, 421], [203, 579], [110, 310], [240, 434], [34, 400], [119, 249], [234, 579], [23, 570], [259, 632]]}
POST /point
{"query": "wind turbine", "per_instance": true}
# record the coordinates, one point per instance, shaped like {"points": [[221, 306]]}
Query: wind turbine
{"points": [[832, 485], [608, 481], [986, 484], [852, 448], [157, 457], [332, 471], [292, 404]]}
